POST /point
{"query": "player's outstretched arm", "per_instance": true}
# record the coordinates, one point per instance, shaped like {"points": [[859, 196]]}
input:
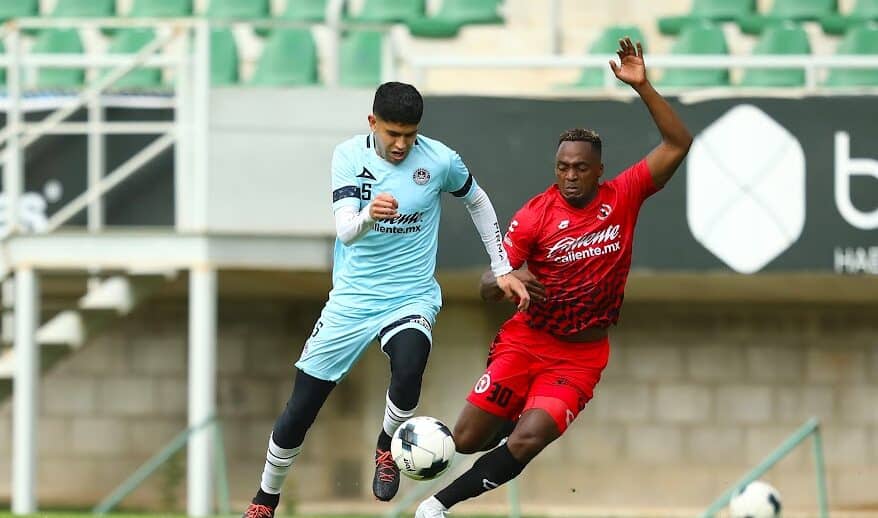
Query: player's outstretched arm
{"points": [[667, 156], [491, 292]]}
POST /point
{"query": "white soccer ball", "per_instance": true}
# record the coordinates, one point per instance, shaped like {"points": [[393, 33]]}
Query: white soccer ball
{"points": [[757, 499], [422, 448]]}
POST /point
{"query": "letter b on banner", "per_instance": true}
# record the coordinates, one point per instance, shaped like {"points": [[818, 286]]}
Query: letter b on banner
{"points": [[845, 167]]}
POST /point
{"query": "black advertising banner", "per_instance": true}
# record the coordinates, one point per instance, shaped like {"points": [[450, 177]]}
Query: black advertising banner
{"points": [[770, 185]]}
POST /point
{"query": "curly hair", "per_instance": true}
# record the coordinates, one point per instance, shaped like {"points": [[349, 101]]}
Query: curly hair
{"points": [[581, 135]]}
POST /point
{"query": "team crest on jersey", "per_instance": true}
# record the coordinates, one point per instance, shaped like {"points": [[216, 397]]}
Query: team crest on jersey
{"points": [[421, 176], [604, 211]]}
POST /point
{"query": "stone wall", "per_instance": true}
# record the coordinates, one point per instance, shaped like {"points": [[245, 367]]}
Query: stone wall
{"points": [[693, 397]]}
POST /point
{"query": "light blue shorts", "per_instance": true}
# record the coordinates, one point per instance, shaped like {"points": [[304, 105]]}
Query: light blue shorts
{"points": [[342, 334]]}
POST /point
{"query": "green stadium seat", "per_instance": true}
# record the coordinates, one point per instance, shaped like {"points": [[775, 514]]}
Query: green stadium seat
{"points": [[131, 41], [360, 59], [18, 9], [795, 10], [161, 9], [607, 43], [2, 69], [289, 59], [454, 14], [861, 40], [786, 38], [863, 11], [223, 58], [305, 10], [84, 9], [59, 41], [713, 10], [702, 37], [390, 11], [239, 9]]}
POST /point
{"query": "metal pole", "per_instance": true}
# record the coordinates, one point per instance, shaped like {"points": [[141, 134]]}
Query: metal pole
{"points": [[514, 500], [555, 27], [202, 385], [333, 50], [95, 163], [13, 171], [182, 150], [25, 392], [200, 131], [820, 468]]}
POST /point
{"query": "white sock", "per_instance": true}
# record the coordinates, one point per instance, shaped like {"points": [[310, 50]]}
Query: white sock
{"points": [[393, 416], [277, 464]]}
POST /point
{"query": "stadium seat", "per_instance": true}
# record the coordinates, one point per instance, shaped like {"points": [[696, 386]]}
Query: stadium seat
{"points": [[2, 69], [239, 9], [389, 11], [702, 37], [862, 39], [59, 41], [713, 10], [18, 9], [607, 43], [863, 11], [289, 59], [130, 41], [223, 58], [305, 10], [161, 9], [360, 56], [454, 14], [786, 38], [84, 9], [795, 10]]}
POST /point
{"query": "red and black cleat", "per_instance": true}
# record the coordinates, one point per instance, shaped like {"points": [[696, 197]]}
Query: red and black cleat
{"points": [[386, 481], [259, 511]]}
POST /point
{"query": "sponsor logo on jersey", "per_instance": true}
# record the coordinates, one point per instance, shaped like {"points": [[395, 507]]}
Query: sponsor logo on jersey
{"points": [[564, 224], [366, 174], [421, 176], [604, 211], [483, 384], [395, 225], [568, 249]]}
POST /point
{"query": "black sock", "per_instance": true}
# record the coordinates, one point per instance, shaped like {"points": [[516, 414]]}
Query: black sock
{"points": [[383, 441], [263, 498], [493, 469]]}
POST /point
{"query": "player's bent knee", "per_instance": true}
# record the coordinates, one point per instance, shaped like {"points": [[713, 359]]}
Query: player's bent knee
{"points": [[467, 439]]}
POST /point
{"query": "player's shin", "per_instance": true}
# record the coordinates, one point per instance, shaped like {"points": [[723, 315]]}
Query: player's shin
{"points": [[278, 462], [492, 470]]}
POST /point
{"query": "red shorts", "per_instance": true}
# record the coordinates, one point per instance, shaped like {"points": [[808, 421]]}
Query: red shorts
{"points": [[528, 369]]}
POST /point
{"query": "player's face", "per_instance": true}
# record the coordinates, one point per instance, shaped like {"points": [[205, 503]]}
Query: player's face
{"points": [[393, 140], [577, 170]]}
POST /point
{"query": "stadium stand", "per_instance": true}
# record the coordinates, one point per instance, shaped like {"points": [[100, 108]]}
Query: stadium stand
{"points": [[360, 59], [59, 41], [858, 40], [130, 41], [161, 8], [223, 58], [796, 10], [289, 59], [863, 11], [389, 11], [784, 38], [84, 9], [607, 43], [238, 9], [713, 10], [453, 15], [305, 11], [17, 8], [702, 37]]}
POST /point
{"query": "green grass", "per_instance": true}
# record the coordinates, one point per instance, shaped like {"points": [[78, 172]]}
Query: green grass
{"points": [[64, 514]]}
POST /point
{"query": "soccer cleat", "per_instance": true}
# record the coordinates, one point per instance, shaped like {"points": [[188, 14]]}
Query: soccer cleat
{"points": [[258, 511], [431, 508], [386, 481]]}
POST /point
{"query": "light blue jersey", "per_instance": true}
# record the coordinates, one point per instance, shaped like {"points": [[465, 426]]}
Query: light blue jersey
{"points": [[384, 281]]}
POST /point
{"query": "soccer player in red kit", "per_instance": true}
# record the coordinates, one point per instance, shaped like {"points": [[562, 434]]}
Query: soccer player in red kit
{"points": [[576, 238]]}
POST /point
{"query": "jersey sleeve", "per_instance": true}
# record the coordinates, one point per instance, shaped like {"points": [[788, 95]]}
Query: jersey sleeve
{"points": [[521, 236], [458, 180], [345, 188], [635, 183]]}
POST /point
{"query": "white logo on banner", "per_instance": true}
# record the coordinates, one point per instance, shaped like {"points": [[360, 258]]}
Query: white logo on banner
{"points": [[745, 183]]}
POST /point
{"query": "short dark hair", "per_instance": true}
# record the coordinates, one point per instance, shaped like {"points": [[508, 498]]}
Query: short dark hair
{"points": [[398, 102], [581, 135]]}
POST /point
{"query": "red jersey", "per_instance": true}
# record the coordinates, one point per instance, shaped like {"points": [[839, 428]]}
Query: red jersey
{"points": [[581, 255]]}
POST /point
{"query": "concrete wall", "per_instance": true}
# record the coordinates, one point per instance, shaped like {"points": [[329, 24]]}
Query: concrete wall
{"points": [[693, 397]]}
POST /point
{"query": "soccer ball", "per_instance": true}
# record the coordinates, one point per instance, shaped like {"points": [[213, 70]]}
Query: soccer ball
{"points": [[422, 448], [757, 499]]}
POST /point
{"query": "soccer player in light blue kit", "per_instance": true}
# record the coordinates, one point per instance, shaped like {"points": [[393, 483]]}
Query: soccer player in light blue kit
{"points": [[386, 188]]}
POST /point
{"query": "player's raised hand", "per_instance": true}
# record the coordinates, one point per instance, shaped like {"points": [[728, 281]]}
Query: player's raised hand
{"points": [[383, 207], [631, 68], [514, 289]]}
